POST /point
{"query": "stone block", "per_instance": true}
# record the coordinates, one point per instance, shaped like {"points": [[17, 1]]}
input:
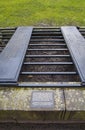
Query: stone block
{"points": [[75, 104], [15, 105]]}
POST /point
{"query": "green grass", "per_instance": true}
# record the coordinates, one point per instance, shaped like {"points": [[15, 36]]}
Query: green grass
{"points": [[42, 12]]}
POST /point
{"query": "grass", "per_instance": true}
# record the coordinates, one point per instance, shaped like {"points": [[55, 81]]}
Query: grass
{"points": [[42, 12]]}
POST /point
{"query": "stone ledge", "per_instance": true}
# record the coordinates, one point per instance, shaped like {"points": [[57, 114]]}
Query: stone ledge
{"points": [[15, 105], [31, 115], [75, 104], [20, 98]]}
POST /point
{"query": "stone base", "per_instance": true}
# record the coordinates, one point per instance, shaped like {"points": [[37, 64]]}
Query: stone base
{"points": [[15, 105]]}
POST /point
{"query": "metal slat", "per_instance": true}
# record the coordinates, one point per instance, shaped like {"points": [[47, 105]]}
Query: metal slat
{"points": [[82, 30], [49, 84], [61, 49], [5, 40], [7, 30], [47, 44], [47, 56], [46, 31], [48, 63], [46, 28], [7, 33], [48, 40], [47, 34], [52, 37], [48, 73]]}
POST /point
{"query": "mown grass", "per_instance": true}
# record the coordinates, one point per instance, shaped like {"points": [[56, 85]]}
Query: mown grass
{"points": [[42, 12]]}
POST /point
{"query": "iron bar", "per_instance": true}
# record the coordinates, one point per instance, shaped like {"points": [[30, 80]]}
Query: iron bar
{"points": [[7, 31], [48, 63], [48, 40], [40, 37], [60, 49], [5, 40], [83, 33], [48, 44], [46, 28], [48, 73], [8, 28], [46, 31], [82, 30], [47, 56], [6, 34], [49, 84]]}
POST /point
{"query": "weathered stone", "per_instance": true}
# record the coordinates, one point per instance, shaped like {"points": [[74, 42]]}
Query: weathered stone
{"points": [[75, 104], [15, 105]]}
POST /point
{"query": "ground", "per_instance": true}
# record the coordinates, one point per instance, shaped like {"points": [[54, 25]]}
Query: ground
{"points": [[17, 126], [42, 12]]}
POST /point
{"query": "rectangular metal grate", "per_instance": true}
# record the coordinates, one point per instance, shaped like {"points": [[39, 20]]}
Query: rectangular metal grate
{"points": [[47, 62]]}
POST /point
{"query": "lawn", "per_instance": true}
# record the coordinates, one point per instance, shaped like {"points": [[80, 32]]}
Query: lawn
{"points": [[42, 12]]}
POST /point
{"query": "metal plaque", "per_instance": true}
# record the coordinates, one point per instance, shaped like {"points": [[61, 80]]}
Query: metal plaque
{"points": [[42, 99]]}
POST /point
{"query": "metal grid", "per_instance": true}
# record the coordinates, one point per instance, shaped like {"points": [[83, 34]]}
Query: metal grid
{"points": [[47, 50]]}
